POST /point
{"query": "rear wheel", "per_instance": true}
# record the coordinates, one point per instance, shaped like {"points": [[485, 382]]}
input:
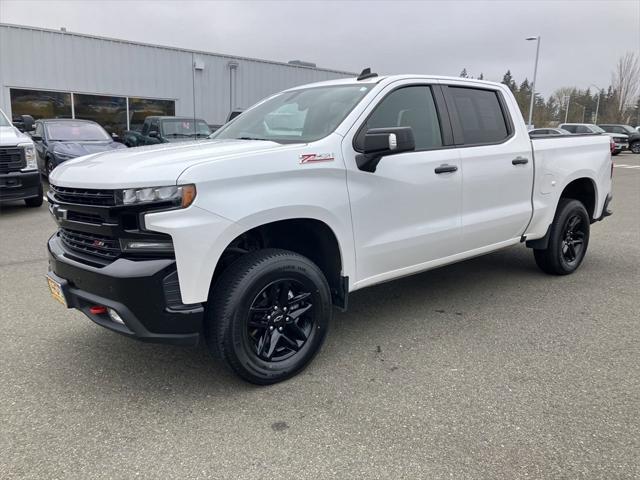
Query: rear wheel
{"points": [[269, 314], [568, 239]]}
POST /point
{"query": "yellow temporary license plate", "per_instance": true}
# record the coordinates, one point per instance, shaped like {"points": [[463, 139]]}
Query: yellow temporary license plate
{"points": [[56, 291]]}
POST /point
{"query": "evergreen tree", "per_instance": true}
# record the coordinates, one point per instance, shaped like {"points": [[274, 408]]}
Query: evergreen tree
{"points": [[463, 73], [507, 79]]}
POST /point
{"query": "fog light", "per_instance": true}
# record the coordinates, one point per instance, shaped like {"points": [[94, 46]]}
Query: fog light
{"points": [[115, 316]]}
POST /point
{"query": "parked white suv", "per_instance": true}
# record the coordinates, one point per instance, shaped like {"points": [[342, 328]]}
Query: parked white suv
{"points": [[620, 140], [248, 240]]}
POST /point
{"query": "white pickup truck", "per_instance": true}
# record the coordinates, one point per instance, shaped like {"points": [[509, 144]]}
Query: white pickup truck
{"points": [[247, 240]]}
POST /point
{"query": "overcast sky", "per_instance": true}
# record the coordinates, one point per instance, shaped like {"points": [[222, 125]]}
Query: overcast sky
{"points": [[581, 40]]}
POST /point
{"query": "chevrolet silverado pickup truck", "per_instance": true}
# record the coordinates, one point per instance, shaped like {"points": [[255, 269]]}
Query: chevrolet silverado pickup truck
{"points": [[19, 177], [249, 239]]}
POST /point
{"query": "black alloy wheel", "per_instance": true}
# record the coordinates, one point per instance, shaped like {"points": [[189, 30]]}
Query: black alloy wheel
{"points": [[573, 239], [268, 315], [635, 147], [280, 320]]}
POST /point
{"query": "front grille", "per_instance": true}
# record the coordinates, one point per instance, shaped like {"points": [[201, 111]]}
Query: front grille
{"points": [[84, 196], [84, 217], [91, 244], [11, 160]]}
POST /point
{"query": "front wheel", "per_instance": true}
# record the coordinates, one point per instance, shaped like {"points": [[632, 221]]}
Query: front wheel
{"points": [[635, 147], [268, 315], [568, 239], [616, 152]]}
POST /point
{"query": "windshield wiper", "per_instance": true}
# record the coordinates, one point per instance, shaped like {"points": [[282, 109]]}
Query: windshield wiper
{"points": [[252, 138], [177, 135]]}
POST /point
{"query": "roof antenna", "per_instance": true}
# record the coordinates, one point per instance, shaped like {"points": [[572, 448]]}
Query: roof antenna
{"points": [[366, 73]]}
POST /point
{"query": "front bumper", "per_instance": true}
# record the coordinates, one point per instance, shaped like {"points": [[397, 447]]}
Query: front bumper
{"points": [[142, 292], [19, 186]]}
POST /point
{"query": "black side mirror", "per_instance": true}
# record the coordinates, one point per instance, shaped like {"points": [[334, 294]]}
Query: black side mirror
{"points": [[154, 134], [24, 123], [380, 142], [36, 138]]}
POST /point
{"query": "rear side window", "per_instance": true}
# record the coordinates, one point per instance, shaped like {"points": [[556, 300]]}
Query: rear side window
{"points": [[570, 128], [481, 117], [407, 107], [583, 129]]}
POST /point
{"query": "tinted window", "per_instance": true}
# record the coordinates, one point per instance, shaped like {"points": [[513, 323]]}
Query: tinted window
{"points": [[407, 107], [570, 128], [39, 130], [481, 117], [141, 108], [70, 130], [183, 127], [606, 128], [40, 104], [583, 129], [110, 112]]}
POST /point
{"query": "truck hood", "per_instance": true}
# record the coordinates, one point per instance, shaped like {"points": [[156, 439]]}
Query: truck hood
{"points": [[10, 136], [154, 165]]}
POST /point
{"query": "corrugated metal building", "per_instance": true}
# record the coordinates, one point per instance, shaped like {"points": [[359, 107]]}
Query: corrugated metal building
{"points": [[51, 73]]}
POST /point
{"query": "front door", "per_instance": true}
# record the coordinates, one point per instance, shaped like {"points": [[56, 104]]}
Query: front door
{"points": [[407, 212]]}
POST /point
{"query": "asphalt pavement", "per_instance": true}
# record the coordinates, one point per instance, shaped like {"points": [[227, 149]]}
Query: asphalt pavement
{"points": [[487, 369]]}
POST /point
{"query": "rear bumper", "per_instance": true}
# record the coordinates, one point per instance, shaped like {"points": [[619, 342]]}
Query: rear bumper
{"points": [[139, 291], [19, 186]]}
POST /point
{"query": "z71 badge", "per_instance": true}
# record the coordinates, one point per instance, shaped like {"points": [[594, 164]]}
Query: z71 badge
{"points": [[316, 157]]}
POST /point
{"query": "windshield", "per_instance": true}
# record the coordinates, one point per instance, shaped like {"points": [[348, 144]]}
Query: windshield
{"points": [[4, 122], [76, 131], [297, 116], [629, 129], [597, 129], [184, 127]]}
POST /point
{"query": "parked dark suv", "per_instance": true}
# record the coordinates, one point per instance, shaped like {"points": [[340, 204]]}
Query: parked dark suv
{"points": [[634, 135]]}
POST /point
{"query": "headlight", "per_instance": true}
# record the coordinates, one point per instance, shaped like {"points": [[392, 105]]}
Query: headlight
{"points": [[180, 195], [29, 156]]}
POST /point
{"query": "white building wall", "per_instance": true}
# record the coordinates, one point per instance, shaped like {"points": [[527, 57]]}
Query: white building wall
{"points": [[33, 58]]}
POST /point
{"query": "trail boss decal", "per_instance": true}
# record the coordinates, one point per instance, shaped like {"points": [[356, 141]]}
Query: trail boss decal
{"points": [[316, 157]]}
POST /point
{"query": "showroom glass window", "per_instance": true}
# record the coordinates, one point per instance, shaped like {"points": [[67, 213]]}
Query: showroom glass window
{"points": [[110, 112], [481, 116], [407, 107], [40, 103], [140, 108]]}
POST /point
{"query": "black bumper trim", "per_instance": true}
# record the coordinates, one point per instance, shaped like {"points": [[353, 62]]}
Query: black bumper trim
{"points": [[20, 186], [133, 289]]}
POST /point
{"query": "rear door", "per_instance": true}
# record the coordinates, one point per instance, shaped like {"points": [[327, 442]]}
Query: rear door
{"points": [[497, 166]]}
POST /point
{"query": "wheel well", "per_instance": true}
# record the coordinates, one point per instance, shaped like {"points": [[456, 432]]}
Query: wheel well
{"points": [[312, 238], [584, 191]]}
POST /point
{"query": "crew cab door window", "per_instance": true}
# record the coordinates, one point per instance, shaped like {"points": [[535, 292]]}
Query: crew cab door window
{"points": [[480, 115], [407, 107]]}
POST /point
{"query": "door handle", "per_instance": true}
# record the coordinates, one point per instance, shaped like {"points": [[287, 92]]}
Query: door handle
{"points": [[520, 161], [446, 169]]}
